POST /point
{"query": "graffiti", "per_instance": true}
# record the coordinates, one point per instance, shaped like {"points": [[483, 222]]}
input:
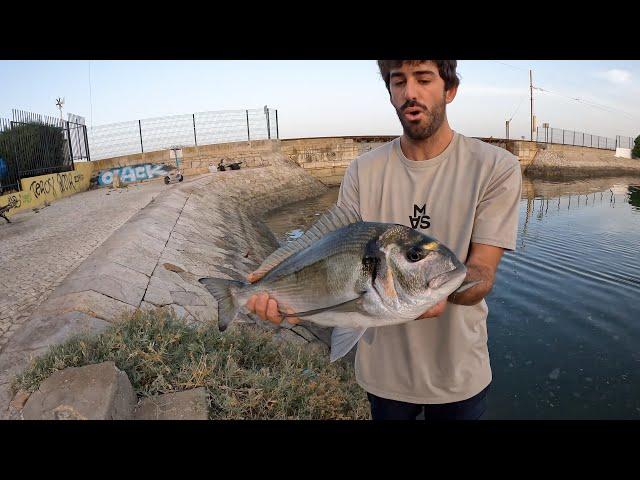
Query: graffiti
{"points": [[134, 173], [14, 202], [44, 186], [65, 182], [78, 178]]}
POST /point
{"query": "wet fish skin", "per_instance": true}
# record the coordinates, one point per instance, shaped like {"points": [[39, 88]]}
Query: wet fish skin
{"points": [[351, 276]]}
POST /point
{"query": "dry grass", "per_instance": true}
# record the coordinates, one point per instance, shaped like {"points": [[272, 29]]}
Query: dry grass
{"points": [[247, 373]]}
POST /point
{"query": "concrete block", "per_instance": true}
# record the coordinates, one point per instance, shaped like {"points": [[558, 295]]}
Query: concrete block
{"points": [[117, 288], [44, 330], [92, 392], [92, 303], [186, 298], [187, 405]]}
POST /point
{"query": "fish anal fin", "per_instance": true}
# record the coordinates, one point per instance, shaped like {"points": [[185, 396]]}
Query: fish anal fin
{"points": [[343, 340]]}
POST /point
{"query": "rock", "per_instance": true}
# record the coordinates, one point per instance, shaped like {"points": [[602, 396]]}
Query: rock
{"points": [[94, 392], [187, 405], [554, 374], [19, 400]]}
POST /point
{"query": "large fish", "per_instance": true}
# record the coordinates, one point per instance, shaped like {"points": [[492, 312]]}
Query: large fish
{"points": [[351, 275]]}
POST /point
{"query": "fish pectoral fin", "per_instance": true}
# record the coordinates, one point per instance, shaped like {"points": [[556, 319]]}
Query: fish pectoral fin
{"points": [[343, 340], [348, 306], [467, 285]]}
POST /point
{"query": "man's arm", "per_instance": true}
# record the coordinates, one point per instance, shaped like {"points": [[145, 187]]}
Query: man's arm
{"points": [[482, 264]]}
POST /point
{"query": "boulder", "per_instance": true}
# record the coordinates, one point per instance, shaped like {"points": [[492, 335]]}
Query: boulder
{"points": [[188, 405], [93, 392]]}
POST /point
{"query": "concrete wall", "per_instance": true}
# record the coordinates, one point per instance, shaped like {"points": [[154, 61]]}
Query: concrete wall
{"points": [[48, 188]]}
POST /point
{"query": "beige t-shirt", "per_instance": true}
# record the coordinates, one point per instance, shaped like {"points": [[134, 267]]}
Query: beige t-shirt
{"points": [[468, 193]]}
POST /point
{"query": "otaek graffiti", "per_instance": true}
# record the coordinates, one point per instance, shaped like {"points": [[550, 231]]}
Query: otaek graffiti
{"points": [[133, 173]]}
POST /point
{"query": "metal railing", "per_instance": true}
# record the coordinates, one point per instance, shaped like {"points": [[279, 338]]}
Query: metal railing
{"points": [[161, 133], [32, 144], [581, 139]]}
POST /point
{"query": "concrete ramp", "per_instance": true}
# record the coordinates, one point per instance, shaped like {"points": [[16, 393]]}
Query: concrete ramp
{"points": [[157, 257]]}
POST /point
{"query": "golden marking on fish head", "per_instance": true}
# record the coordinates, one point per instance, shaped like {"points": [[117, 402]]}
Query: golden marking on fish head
{"points": [[431, 246]]}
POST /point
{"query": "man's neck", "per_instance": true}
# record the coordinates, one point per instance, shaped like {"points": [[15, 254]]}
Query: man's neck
{"points": [[429, 148]]}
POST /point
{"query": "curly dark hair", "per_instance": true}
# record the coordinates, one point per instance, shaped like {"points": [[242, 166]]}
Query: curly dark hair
{"points": [[446, 69]]}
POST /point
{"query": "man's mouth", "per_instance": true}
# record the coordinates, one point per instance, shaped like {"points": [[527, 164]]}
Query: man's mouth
{"points": [[413, 113]]}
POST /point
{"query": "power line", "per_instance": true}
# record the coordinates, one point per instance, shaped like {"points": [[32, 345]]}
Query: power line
{"points": [[512, 66], [605, 108], [518, 108], [590, 103], [90, 100]]}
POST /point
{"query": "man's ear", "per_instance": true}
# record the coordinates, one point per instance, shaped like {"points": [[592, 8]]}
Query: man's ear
{"points": [[450, 94]]}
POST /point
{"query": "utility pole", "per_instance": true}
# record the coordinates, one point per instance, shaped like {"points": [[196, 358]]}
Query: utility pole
{"points": [[507, 125], [531, 89]]}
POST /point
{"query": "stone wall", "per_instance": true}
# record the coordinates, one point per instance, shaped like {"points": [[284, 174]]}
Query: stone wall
{"points": [[572, 161]]}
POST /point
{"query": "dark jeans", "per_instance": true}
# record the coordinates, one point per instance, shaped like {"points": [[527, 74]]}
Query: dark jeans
{"points": [[470, 409]]}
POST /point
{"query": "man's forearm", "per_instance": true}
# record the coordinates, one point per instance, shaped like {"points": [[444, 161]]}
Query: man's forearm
{"points": [[476, 293]]}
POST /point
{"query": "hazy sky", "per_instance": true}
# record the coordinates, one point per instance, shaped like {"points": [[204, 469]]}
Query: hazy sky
{"points": [[323, 98]]}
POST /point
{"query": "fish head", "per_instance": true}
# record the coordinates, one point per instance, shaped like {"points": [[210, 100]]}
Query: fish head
{"points": [[416, 271]]}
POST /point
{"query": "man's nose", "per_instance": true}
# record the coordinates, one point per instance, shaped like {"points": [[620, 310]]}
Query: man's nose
{"points": [[410, 91]]}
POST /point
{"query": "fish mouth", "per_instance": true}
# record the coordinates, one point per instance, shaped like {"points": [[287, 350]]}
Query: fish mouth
{"points": [[442, 279]]}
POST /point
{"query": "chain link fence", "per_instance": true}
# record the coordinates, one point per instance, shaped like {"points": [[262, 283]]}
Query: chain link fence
{"points": [[580, 139], [161, 133]]}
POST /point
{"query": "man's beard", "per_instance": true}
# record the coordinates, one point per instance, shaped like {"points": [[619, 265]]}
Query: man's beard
{"points": [[426, 127]]}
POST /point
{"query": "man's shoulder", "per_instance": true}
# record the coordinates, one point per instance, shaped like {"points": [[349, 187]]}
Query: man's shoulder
{"points": [[375, 155], [486, 153]]}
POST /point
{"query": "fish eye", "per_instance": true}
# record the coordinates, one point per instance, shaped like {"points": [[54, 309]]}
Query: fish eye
{"points": [[414, 254]]}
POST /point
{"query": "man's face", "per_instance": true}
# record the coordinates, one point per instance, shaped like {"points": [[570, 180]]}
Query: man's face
{"points": [[418, 95]]}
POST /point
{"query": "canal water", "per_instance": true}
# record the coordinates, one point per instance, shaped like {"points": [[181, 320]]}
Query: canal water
{"points": [[564, 314]]}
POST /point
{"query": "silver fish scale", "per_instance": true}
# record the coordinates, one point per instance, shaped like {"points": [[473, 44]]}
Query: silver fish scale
{"points": [[327, 273]]}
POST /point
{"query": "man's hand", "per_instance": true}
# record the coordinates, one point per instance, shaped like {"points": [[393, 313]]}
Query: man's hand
{"points": [[434, 311], [266, 307], [482, 264]]}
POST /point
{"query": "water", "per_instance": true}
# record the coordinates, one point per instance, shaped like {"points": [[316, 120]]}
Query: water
{"points": [[564, 321]]}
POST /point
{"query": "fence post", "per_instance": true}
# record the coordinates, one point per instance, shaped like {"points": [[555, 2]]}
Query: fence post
{"points": [[140, 128], [86, 143], [195, 139], [551, 136], [277, 132], [616, 145], [70, 147], [248, 134], [574, 138], [268, 125]]}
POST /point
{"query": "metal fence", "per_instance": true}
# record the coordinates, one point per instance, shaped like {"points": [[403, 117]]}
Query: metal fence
{"points": [[203, 128], [580, 139], [32, 144]]}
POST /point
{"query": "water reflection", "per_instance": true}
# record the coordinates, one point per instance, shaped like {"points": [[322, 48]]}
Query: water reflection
{"points": [[634, 196], [570, 194]]}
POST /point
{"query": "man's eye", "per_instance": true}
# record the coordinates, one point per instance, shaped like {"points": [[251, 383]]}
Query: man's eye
{"points": [[424, 82], [396, 84]]}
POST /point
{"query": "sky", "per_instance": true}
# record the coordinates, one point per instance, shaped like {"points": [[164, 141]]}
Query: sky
{"points": [[317, 98]]}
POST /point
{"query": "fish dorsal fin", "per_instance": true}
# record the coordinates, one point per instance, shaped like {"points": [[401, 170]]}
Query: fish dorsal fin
{"points": [[334, 219]]}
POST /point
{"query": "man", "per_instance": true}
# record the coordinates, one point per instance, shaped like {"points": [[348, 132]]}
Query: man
{"points": [[463, 192]]}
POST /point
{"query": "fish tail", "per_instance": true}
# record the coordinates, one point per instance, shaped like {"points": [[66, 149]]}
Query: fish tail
{"points": [[223, 290]]}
